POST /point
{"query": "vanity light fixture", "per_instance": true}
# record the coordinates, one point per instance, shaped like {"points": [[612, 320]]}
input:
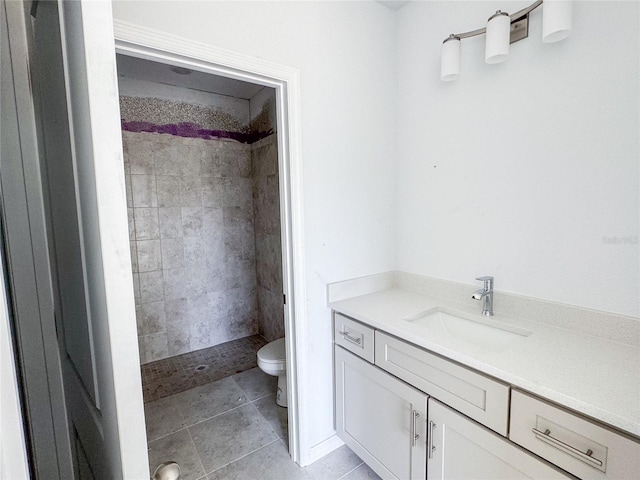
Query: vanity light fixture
{"points": [[556, 20], [450, 59], [503, 29], [498, 35]]}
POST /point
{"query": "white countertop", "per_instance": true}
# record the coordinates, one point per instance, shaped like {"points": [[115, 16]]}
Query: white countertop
{"points": [[591, 375]]}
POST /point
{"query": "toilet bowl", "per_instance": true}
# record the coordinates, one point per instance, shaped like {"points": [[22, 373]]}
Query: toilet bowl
{"points": [[272, 360]]}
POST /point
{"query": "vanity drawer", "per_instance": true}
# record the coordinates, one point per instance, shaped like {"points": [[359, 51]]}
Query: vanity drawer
{"points": [[578, 445], [482, 398], [354, 336]]}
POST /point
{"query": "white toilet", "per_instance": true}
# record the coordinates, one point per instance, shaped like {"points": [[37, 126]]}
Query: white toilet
{"points": [[272, 360]]}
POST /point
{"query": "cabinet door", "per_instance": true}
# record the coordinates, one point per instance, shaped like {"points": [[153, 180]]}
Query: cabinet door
{"points": [[382, 419], [462, 449]]}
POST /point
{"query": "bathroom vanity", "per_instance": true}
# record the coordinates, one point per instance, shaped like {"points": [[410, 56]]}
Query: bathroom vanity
{"points": [[427, 389]]}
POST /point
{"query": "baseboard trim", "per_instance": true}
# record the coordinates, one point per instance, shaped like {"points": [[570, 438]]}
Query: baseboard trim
{"points": [[321, 449]]}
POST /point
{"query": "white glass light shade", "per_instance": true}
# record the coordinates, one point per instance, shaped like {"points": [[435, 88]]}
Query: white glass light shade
{"points": [[450, 60], [498, 36], [556, 20]]}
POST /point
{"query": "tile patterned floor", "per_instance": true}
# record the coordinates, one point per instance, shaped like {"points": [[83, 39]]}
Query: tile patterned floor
{"points": [[232, 429], [183, 372]]}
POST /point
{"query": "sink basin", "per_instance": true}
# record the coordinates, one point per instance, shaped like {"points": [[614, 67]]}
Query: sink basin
{"points": [[486, 334]]}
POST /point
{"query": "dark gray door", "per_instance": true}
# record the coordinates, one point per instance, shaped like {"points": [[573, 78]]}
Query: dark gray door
{"points": [[75, 89], [64, 233], [66, 246], [26, 265]]}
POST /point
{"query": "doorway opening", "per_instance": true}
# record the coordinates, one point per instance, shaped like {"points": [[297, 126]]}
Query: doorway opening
{"points": [[204, 175]]}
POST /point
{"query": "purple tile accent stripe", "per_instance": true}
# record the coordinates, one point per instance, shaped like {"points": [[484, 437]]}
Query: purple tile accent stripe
{"points": [[191, 130]]}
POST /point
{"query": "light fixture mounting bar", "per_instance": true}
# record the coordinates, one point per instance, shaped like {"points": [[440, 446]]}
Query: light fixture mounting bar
{"points": [[519, 14]]}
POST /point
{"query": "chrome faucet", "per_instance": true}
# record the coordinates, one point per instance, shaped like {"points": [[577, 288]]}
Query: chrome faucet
{"points": [[486, 295]]}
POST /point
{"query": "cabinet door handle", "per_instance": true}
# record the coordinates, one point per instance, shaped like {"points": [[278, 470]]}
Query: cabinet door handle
{"points": [[431, 446], [414, 436], [584, 456], [346, 336]]}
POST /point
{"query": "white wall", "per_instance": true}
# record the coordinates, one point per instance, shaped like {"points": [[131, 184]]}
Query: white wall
{"points": [[346, 54], [519, 170]]}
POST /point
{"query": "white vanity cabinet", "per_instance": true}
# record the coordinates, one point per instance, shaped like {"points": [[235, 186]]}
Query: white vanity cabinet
{"points": [[578, 445], [460, 449], [381, 418], [484, 399], [475, 426], [354, 336]]}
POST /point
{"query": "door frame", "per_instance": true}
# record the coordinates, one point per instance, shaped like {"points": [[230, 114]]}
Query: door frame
{"points": [[150, 44]]}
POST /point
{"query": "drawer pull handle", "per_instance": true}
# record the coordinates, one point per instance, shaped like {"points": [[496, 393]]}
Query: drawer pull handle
{"points": [[414, 435], [585, 456], [431, 447], [346, 336]]}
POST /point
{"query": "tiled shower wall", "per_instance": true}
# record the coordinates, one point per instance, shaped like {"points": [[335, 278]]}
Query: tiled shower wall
{"points": [[266, 202], [192, 241]]}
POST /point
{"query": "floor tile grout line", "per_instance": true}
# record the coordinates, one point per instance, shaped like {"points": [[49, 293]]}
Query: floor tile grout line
{"points": [[239, 386], [269, 423], [351, 471], [265, 396], [218, 414], [197, 452], [188, 425], [251, 402], [247, 402], [149, 442], [243, 456], [285, 442], [198, 422]]}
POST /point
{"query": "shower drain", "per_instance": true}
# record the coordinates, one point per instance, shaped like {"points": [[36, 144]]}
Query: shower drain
{"points": [[199, 368]]}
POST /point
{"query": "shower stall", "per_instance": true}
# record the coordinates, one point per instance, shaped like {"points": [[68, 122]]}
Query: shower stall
{"points": [[202, 187]]}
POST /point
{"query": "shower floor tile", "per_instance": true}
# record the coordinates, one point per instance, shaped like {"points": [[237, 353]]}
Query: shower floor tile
{"points": [[177, 374]]}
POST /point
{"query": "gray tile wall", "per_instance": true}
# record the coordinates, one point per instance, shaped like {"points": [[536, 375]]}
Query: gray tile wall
{"points": [[192, 239], [266, 204]]}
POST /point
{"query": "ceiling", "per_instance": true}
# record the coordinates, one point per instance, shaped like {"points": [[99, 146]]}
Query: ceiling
{"points": [[132, 67], [393, 4]]}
